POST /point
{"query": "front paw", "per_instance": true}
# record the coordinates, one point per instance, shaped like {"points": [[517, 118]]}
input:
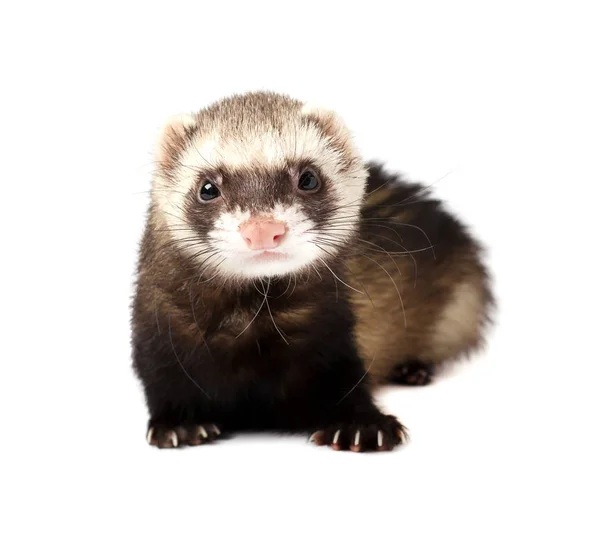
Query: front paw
{"points": [[171, 436], [381, 434]]}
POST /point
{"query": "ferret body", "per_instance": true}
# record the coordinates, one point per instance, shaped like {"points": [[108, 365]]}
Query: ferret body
{"points": [[281, 278]]}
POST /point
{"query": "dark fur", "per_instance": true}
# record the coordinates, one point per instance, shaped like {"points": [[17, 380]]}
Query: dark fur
{"points": [[411, 245], [197, 371]]}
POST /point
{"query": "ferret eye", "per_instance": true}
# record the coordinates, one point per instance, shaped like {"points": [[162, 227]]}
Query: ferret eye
{"points": [[208, 192], [308, 181]]}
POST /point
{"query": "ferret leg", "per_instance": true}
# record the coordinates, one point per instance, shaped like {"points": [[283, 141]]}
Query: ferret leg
{"points": [[358, 425], [172, 427], [180, 413], [377, 432]]}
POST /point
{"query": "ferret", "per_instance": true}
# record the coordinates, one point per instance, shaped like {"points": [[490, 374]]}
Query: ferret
{"points": [[281, 278]]}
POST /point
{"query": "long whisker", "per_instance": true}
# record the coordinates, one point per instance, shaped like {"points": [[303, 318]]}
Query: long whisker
{"points": [[350, 270], [181, 364], [318, 273], [255, 315], [271, 314], [212, 277], [333, 273], [197, 324], [421, 191], [370, 259], [294, 288], [395, 286], [333, 240], [288, 285], [358, 382], [392, 258], [389, 221]]}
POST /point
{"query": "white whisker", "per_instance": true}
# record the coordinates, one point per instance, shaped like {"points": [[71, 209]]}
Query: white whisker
{"points": [[271, 314]]}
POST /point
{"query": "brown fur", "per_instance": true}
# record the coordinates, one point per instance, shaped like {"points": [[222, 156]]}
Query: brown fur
{"points": [[430, 304], [410, 305], [397, 289]]}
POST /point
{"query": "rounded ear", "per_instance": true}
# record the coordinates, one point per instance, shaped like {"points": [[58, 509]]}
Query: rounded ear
{"points": [[329, 121], [173, 136]]}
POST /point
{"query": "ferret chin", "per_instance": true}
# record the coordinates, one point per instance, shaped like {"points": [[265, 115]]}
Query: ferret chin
{"points": [[281, 278]]}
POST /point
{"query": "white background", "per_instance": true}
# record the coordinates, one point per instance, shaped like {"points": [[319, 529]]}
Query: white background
{"points": [[504, 98]]}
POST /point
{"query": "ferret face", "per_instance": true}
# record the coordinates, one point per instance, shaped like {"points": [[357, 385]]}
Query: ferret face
{"points": [[258, 185]]}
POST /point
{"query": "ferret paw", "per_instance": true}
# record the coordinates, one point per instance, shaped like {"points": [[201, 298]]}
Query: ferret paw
{"points": [[382, 435], [413, 373], [166, 436]]}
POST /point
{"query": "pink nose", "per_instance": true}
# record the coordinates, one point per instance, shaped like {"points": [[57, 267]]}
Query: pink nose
{"points": [[262, 234]]}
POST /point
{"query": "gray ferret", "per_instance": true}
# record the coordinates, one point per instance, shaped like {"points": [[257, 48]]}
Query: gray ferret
{"points": [[281, 278]]}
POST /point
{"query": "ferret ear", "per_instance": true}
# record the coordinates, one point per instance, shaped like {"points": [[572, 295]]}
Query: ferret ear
{"points": [[173, 136], [329, 121]]}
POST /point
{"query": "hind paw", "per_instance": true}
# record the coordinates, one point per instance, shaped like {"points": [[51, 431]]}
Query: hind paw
{"points": [[167, 436], [413, 373]]}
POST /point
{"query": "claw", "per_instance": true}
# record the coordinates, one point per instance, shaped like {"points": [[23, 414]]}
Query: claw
{"points": [[357, 438], [379, 439], [173, 439], [149, 435], [203, 432], [336, 437], [216, 429]]}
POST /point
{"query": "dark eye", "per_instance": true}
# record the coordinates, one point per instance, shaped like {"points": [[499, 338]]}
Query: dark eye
{"points": [[208, 192], [308, 181]]}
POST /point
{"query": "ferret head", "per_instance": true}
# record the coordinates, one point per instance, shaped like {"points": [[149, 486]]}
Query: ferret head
{"points": [[258, 185]]}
